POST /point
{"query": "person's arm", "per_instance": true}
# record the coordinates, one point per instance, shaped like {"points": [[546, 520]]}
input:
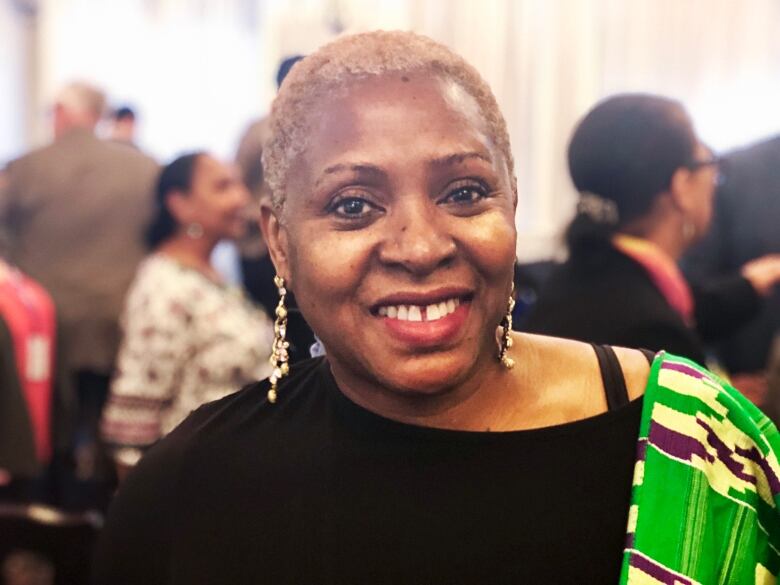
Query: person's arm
{"points": [[763, 273], [772, 402], [724, 305], [155, 345]]}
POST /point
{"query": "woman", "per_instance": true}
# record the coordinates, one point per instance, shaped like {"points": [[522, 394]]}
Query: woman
{"points": [[646, 187], [188, 337], [430, 444]]}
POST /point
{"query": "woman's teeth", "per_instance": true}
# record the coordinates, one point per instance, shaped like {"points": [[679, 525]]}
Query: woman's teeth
{"points": [[418, 313]]}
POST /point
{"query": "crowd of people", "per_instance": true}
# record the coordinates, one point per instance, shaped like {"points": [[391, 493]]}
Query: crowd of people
{"points": [[426, 440]]}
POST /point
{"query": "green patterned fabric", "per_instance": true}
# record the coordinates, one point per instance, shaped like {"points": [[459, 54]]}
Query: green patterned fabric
{"points": [[704, 506]]}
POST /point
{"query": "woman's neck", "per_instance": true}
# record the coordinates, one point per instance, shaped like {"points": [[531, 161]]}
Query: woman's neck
{"points": [[193, 253], [537, 392], [666, 235]]}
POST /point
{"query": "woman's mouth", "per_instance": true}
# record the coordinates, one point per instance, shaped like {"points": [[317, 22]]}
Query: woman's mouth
{"points": [[427, 323], [432, 312]]}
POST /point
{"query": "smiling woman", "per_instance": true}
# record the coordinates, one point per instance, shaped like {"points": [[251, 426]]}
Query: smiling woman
{"points": [[431, 445]]}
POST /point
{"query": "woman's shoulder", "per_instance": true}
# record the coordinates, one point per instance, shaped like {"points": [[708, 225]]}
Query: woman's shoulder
{"points": [[156, 276], [250, 403], [574, 364]]}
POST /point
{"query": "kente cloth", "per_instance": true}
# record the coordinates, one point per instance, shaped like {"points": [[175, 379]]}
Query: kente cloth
{"points": [[706, 489]]}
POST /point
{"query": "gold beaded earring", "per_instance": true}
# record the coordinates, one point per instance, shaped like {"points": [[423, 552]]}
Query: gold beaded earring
{"points": [[506, 340], [279, 351]]}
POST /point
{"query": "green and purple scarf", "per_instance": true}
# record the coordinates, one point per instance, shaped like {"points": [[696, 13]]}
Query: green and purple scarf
{"points": [[704, 506]]}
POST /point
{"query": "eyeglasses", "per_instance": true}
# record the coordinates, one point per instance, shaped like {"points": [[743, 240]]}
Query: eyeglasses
{"points": [[713, 161], [698, 164]]}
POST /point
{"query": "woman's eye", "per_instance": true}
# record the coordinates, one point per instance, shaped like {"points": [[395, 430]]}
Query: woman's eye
{"points": [[466, 194], [352, 208]]}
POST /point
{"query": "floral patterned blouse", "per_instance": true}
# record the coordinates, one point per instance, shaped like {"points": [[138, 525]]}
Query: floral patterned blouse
{"points": [[187, 340]]}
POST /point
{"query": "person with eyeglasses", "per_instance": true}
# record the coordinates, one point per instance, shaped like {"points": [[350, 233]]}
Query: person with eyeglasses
{"points": [[646, 186], [745, 227]]}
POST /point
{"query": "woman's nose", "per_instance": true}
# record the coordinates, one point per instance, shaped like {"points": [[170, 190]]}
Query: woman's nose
{"points": [[418, 239]]}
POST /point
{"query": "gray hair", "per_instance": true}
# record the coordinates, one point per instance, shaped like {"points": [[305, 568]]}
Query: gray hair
{"points": [[82, 98]]}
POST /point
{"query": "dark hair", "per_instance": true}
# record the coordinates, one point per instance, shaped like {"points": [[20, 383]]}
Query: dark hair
{"points": [[176, 176], [284, 68], [625, 151], [124, 113]]}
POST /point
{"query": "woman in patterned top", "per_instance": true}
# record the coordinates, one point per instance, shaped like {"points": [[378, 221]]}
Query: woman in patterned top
{"points": [[431, 444], [189, 338]]}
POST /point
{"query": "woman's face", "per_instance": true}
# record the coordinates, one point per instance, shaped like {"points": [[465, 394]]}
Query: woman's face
{"points": [[398, 235], [217, 200], [703, 181]]}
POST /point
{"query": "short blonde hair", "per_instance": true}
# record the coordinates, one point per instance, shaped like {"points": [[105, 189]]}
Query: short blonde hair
{"points": [[356, 57]]}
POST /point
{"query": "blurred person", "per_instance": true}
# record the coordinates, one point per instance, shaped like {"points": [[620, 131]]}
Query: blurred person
{"points": [[431, 444], [73, 214], [646, 185], [35, 399], [256, 267], [746, 226], [188, 337], [772, 403], [123, 126]]}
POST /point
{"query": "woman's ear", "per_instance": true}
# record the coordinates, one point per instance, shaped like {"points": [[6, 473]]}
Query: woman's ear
{"points": [[180, 207], [276, 238], [682, 195]]}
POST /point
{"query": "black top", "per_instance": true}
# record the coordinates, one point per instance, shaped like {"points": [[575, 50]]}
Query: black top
{"points": [[317, 490], [603, 296]]}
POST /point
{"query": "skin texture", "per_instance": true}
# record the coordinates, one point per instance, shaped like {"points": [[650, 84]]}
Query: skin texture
{"points": [[217, 201], [689, 200], [402, 193], [698, 186]]}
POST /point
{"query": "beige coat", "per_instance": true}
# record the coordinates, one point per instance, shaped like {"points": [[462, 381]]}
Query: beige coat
{"points": [[72, 216]]}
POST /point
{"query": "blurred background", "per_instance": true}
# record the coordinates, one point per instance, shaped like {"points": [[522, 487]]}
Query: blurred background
{"points": [[198, 71], [200, 75]]}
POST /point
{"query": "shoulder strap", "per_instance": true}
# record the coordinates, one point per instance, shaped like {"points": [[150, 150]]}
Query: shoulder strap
{"points": [[649, 355], [612, 376]]}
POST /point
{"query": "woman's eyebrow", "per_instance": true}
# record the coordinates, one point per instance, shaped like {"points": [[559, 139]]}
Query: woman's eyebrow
{"points": [[364, 169], [459, 157]]}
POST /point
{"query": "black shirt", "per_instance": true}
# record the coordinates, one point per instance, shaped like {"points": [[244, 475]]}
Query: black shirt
{"points": [[600, 295], [316, 489]]}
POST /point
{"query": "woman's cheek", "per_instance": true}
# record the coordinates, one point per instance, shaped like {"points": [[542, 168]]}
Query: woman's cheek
{"points": [[492, 240], [329, 265]]}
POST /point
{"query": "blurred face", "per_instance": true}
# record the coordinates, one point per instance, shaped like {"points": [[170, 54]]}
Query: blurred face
{"points": [[124, 130], [217, 200], [702, 182], [398, 235]]}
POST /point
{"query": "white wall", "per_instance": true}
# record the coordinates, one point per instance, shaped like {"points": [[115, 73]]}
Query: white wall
{"points": [[15, 105], [193, 69]]}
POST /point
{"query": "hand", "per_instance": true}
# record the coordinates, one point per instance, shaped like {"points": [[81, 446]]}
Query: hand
{"points": [[763, 273]]}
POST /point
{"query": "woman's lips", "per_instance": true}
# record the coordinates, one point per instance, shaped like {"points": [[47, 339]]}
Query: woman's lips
{"points": [[425, 326]]}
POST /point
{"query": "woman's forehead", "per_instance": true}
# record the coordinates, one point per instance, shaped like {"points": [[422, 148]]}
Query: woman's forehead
{"points": [[388, 114]]}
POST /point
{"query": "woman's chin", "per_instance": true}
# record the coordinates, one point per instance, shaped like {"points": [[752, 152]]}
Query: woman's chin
{"points": [[429, 379]]}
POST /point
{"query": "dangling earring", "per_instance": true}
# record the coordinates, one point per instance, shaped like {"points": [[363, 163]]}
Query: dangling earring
{"points": [[689, 230], [194, 231], [506, 340], [279, 354]]}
